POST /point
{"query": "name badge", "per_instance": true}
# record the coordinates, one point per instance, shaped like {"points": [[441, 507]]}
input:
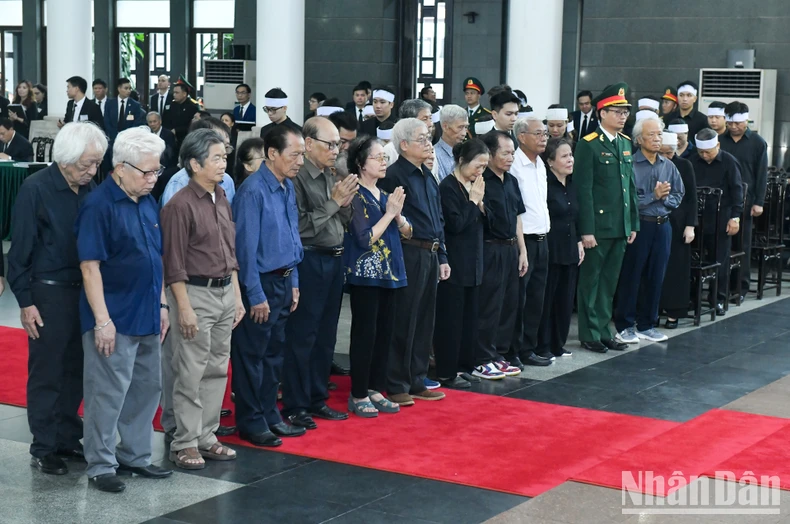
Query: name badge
{"points": [[129, 117], [604, 153], [626, 153], [83, 118], [167, 106]]}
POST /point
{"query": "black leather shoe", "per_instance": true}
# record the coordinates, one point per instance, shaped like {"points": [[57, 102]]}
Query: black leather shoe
{"points": [[598, 347], [51, 465], [470, 378], [284, 430], [225, 413], [327, 413], [224, 431], [671, 324], [534, 360], [720, 310], [150, 471], [515, 361], [108, 482], [546, 356], [75, 453], [455, 383], [337, 369], [302, 420], [615, 345], [266, 439]]}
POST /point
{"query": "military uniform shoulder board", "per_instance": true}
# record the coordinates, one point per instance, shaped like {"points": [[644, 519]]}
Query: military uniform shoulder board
{"points": [[591, 136], [486, 110], [624, 136]]}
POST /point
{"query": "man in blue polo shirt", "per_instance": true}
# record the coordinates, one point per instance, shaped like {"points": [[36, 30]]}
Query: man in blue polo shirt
{"points": [[123, 312], [268, 249]]}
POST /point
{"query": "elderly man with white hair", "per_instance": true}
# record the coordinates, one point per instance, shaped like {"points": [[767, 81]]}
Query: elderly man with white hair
{"points": [[455, 123], [123, 312], [425, 258], [44, 274], [660, 191]]}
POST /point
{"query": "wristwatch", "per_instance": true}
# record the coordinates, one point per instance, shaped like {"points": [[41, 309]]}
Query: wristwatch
{"points": [[164, 306], [737, 220]]}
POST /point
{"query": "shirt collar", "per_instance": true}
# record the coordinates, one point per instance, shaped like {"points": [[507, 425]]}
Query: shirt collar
{"points": [[312, 169], [475, 108], [58, 180], [269, 180], [524, 160], [199, 190], [608, 135], [489, 174], [588, 115], [408, 166], [117, 193], [640, 157], [441, 144]]}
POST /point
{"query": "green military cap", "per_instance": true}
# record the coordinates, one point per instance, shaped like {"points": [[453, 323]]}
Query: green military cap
{"points": [[670, 93], [612, 95], [185, 83], [474, 83]]}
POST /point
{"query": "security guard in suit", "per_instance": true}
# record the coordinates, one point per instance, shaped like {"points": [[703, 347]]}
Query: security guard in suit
{"points": [[473, 88], [608, 215]]}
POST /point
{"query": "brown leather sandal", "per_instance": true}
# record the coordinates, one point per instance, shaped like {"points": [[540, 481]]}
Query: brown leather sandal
{"points": [[218, 452], [187, 458]]}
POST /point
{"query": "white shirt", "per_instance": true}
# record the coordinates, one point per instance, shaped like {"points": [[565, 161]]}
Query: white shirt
{"points": [[77, 108], [471, 110], [102, 103], [532, 184], [610, 136], [162, 101]]}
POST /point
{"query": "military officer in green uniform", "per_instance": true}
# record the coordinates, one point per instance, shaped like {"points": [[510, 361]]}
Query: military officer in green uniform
{"points": [[473, 88], [608, 215]]}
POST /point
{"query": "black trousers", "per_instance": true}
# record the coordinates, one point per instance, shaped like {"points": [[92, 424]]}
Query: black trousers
{"points": [[723, 257], [746, 262], [454, 344], [415, 308], [55, 362], [498, 302], [311, 333], [372, 322], [555, 322], [531, 289]]}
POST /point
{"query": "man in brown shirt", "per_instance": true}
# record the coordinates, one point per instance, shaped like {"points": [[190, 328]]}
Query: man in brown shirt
{"points": [[199, 241]]}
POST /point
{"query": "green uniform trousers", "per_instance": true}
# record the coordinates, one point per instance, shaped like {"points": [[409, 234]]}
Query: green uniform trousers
{"points": [[598, 276]]}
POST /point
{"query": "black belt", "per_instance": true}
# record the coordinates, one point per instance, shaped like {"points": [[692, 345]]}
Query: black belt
{"points": [[59, 283], [536, 238], [430, 245], [503, 241], [282, 272], [209, 282], [328, 251], [657, 220]]}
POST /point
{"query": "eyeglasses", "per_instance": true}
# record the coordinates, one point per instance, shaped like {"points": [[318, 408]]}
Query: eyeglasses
{"points": [[425, 139], [620, 112], [539, 134], [329, 145], [146, 174], [382, 159], [272, 109]]}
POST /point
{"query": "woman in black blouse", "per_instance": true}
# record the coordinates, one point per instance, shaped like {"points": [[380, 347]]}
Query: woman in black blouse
{"points": [[565, 250], [457, 297], [23, 95]]}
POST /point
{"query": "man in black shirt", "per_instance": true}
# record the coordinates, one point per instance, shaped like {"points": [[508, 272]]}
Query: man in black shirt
{"points": [[504, 261], [751, 151], [275, 105], [182, 111], [687, 97], [425, 258], [718, 169], [383, 104], [44, 274]]}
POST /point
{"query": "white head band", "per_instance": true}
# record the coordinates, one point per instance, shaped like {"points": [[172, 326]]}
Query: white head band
{"points": [[328, 110], [569, 128], [526, 114], [646, 114], [275, 102], [707, 144], [687, 89], [368, 111], [669, 139], [384, 95], [738, 117], [557, 113], [384, 134], [435, 117], [648, 102], [715, 111], [678, 128], [481, 128]]}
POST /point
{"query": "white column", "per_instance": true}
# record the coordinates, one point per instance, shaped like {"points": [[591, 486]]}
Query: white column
{"points": [[534, 51], [69, 50], [280, 55]]}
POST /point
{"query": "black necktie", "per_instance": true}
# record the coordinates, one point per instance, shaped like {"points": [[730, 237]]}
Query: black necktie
{"points": [[120, 115], [161, 103], [100, 101], [361, 118], [584, 127]]}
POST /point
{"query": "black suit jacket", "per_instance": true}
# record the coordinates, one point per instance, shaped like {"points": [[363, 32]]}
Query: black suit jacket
{"points": [[169, 156], [89, 109], [592, 124], [4, 107], [154, 102], [18, 149]]}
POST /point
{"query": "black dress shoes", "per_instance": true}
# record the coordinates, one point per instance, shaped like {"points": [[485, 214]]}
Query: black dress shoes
{"points": [[267, 439], [327, 413], [75, 453], [284, 430], [720, 310], [108, 482], [671, 324], [515, 361], [337, 369], [51, 465], [455, 383], [615, 345], [150, 471], [547, 356], [224, 431], [470, 378], [225, 413], [302, 420], [534, 360], [598, 347]]}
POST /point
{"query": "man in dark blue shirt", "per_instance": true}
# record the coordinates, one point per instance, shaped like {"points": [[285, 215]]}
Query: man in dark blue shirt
{"points": [[426, 263], [44, 274], [123, 310], [268, 249]]}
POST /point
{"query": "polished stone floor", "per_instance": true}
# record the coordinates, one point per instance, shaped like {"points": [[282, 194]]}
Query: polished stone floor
{"points": [[740, 362]]}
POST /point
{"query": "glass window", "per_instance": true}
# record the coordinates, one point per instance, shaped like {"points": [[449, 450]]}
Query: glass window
{"points": [[431, 43], [44, 12], [213, 14], [11, 12], [143, 13]]}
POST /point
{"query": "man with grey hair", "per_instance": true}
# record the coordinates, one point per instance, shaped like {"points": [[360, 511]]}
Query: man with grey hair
{"points": [[44, 275], [660, 191], [455, 123], [413, 108], [154, 121], [425, 259], [205, 299], [530, 172], [123, 312]]}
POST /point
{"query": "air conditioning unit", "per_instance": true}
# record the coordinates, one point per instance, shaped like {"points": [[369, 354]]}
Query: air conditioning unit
{"points": [[754, 87], [221, 78]]}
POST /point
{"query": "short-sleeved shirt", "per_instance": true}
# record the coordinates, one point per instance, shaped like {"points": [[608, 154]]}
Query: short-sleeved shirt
{"points": [[180, 180], [125, 237], [503, 205]]}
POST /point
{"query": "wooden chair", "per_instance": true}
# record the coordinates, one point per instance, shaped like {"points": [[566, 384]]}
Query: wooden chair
{"points": [[737, 255], [42, 148], [768, 238], [704, 267]]}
